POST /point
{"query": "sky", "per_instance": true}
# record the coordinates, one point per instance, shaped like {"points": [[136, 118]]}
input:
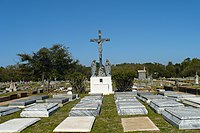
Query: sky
{"points": [[139, 30]]}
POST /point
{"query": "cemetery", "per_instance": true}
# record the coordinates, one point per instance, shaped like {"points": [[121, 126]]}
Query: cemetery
{"points": [[122, 102]]}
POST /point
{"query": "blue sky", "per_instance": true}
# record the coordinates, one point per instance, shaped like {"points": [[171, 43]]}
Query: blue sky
{"points": [[140, 30]]}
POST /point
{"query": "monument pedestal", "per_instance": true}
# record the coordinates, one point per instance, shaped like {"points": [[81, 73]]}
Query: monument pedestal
{"points": [[101, 85]]}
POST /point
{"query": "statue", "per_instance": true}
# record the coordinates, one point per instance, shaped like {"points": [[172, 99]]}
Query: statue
{"points": [[108, 67], [93, 66], [100, 41]]}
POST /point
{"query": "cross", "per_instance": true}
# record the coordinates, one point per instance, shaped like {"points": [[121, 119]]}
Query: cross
{"points": [[100, 41]]}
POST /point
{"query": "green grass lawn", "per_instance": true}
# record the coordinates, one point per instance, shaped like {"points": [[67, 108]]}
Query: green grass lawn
{"points": [[107, 122]]}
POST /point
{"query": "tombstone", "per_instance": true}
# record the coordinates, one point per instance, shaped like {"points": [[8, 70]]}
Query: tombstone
{"points": [[196, 79], [69, 90], [100, 82], [12, 87], [4, 110], [142, 74]]}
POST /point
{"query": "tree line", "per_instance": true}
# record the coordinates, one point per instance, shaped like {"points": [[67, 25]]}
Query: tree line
{"points": [[56, 63]]}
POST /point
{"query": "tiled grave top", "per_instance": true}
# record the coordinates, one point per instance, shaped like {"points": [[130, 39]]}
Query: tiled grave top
{"points": [[166, 102], [153, 97], [41, 107], [184, 112]]}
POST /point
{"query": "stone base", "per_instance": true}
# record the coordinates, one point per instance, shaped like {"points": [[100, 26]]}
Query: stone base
{"points": [[101, 85]]}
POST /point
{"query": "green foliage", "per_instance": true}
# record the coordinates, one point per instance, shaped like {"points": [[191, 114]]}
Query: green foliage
{"points": [[123, 78], [77, 80]]}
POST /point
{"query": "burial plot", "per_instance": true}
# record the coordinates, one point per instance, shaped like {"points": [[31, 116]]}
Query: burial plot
{"points": [[138, 124], [40, 110], [60, 101], [70, 97], [180, 96], [158, 105], [8, 110], [23, 103], [76, 124], [149, 98], [195, 102], [40, 98], [17, 124], [130, 108], [86, 109], [183, 117]]}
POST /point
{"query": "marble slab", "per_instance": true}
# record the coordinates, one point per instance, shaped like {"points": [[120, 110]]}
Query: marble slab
{"points": [[195, 102], [4, 110], [23, 103], [40, 98], [70, 97], [158, 105], [60, 101], [138, 124], [86, 109], [40, 110], [76, 124], [183, 117], [17, 124]]}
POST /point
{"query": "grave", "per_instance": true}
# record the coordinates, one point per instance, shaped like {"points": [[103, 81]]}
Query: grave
{"points": [[4, 110], [195, 102], [76, 124], [40, 110], [183, 117], [158, 105], [60, 101], [17, 124], [130, 108], [86, 109], [70, 96], [138, 124], [22, 103], [40, 98], [149, 98]]}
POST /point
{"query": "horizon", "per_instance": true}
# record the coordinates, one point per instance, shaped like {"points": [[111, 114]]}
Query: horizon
{"points": [[139, 31]]}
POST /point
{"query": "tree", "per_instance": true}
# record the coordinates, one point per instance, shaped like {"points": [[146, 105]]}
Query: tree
{"points": [[49, 63], [77, 80]]}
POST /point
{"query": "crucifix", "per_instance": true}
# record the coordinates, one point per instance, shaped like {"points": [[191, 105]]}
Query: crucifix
{"points": [[100, 41]]}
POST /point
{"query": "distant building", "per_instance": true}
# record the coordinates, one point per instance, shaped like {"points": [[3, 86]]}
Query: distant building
{"points": [[142, 74]]}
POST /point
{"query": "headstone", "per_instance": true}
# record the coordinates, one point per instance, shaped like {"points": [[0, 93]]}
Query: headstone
{"points": [[183, 117], [40, 110], [138, 124], [69, 90], [76, 124], [196, 79], [4, 110], [101, 82], [17, 124]]}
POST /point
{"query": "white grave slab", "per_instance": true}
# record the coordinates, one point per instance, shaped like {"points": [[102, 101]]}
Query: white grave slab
{"points": [[17, 125], [183, 117], [40, 110], [76, 124]]}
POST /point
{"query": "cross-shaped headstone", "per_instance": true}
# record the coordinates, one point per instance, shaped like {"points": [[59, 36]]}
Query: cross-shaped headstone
{"points": [[100, 41]]}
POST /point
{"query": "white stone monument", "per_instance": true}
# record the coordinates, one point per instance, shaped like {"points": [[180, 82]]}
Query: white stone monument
{"points": [[142, 74], [101, 82], [196, 79]]}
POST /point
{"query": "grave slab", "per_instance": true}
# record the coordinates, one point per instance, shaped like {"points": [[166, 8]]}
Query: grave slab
{"points": [[60, 101], [183, 117], [76, 124], [4, 110], [138, 124], [17, 125], [40, 110], [23, 103], [195, 102], [158, 105], [70, 97], [40, 98]]}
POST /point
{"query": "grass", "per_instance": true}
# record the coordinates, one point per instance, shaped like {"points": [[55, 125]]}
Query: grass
{"points": [[107, 122]]}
